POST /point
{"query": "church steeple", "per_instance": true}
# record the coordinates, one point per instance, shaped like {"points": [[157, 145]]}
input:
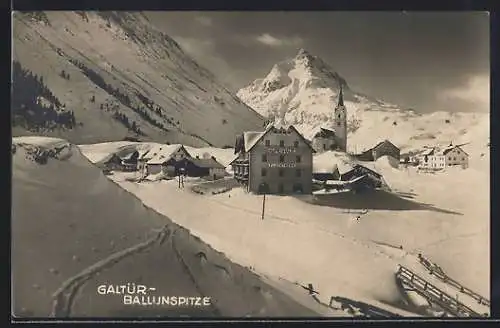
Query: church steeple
{"points": [[340, 121], [341, 97]]}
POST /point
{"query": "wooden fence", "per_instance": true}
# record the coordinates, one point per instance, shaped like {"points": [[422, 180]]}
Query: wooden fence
{"points": [[441, 275], [435, 295]]}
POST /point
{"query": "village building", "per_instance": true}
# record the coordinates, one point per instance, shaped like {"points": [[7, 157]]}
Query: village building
{"points": [[431, 159], [324, 140], [117, 162], [333, 171], [111, 162], [129, 161], [166, 159], [373, 178], [435, 159], [333, 139], [205, 167], [383, 148], [344, 175], [276, 161], [455, 155]]}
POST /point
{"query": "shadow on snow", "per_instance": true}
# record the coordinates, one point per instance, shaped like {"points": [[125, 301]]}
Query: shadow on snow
{"points": [[374, 200]]}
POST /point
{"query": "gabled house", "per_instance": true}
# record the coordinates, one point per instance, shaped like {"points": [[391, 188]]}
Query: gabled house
{"points": [[111, 162], [167, 159], [364, 177], [277, 160], [455, 155], [130, 160], [438, 159], [324, 140], [383, 148]]}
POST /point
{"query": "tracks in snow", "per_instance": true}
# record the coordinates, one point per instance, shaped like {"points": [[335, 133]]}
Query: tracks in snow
{"points": [[64, 297]]}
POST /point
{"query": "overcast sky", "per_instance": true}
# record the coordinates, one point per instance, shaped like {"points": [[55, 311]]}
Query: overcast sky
{"points": [[421, 60]]}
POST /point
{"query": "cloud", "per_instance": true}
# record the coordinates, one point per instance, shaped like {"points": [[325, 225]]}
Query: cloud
{"points": [[269, 40], [204, 20], [475, 93]]}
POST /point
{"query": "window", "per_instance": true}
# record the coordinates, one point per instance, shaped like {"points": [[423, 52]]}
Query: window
{"points": [[463, 158], [264, 157], [298, 173], [282, 158], [454, 158], [281, 172], [268, 142], [324, 146], [449, 158], [280, 188], [282, 143], [338, 123], [296, 144], [263, 172], [298, 159]]}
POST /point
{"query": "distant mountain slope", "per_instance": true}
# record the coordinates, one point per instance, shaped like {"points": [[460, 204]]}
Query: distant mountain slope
{"points": [[121, 76], [304, 91]]}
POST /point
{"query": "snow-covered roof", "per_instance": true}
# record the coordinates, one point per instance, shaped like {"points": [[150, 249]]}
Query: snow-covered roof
{"points": [[129, 155], [329, 161], [163, 154], [383, 142], [323, 133], [206, 163], [428, 152], [251, 138], [451, 147]]}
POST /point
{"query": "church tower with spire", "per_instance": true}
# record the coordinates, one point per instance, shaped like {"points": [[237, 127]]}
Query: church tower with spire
{"points": [[340, 122]]}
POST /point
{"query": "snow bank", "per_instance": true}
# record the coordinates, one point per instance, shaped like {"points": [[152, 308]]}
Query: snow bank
{"points": [[77, 223], [38, 140], [422, 211]]}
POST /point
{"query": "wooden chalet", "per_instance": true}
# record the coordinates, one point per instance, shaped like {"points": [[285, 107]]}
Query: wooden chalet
{"points": [[383, 148]]}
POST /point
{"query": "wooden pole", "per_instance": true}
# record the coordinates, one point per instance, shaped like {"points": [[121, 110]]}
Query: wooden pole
{"points": [[263, 205]]}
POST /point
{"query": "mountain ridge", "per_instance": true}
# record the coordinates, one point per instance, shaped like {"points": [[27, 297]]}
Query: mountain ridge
{"points": [[304, 90]]}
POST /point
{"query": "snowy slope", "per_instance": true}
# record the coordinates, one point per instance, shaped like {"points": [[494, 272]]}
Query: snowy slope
{"points": [[69, 221], [444, 217], [304, 90], [127, 53]]}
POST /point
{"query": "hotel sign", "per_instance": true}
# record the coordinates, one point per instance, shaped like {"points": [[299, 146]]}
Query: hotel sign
{"points": [[283, 165], [281, 150]]}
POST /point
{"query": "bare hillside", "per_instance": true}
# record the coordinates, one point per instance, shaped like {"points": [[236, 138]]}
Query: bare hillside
{"points": [[121, 76]]}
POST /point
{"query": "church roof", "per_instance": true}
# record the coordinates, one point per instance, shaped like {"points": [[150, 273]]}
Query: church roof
{"points": [[324, 133]]}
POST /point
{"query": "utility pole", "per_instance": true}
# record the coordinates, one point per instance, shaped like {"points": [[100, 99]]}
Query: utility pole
{"points": [[263, 205]]}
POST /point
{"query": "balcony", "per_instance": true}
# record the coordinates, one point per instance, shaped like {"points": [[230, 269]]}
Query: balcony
{"points": [[241, 176], [241, 163]]}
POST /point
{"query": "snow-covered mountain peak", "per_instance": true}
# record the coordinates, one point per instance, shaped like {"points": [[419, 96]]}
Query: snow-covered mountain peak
{"points": [[303, 91]]}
